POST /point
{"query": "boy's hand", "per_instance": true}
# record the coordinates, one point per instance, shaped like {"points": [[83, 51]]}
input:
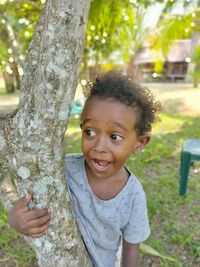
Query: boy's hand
{"points": [[28, 222]]}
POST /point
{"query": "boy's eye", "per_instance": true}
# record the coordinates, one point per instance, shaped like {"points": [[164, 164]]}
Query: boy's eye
{"points": [[116, 137], [90, 132]]}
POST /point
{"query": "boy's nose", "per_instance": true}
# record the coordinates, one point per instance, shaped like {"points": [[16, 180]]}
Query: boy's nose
{"points": [[100, 145]]}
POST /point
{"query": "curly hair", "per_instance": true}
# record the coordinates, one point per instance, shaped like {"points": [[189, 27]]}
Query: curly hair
{"points": [[125, 90]]}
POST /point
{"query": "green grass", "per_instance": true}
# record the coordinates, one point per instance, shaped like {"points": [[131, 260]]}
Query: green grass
{"points": [[174, 220], [13, 250]]}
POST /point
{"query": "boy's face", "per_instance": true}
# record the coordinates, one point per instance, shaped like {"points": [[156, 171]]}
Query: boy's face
{"points": [[109, 136]]}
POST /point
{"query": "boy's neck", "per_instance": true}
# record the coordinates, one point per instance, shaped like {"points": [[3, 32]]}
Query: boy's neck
{"points": [[107, 188]]}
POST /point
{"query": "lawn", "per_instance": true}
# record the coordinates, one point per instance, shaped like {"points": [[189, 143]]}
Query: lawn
{"points": [[174, 220]]}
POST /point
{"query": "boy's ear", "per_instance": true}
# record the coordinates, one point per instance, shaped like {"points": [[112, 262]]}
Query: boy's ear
{"points": [[142, 141]]}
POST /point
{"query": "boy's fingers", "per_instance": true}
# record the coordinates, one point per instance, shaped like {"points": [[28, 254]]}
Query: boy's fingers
{"points": [[39, 222], [39, 231], [22, 202], [34, 214]]}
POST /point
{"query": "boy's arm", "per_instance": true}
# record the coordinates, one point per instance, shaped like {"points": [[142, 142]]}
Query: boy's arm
{"points": [[28, 222], [130, 254]]}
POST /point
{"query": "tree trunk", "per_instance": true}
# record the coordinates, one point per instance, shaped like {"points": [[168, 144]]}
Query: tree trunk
{"points": [[16, 74], [31, 138], [195, 39], [9, 82], [86, 74]]}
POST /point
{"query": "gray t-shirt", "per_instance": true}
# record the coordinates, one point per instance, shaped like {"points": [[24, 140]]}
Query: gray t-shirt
{"points": [[102, 223]]}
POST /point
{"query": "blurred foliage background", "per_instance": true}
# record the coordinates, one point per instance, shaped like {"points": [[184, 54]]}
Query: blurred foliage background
{"points": [[116, 31]]}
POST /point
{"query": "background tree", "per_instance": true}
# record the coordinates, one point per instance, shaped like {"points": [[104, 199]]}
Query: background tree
{"points": [[17, 21], [31, 138], [116, 39], [108, 33], [196, 72]]}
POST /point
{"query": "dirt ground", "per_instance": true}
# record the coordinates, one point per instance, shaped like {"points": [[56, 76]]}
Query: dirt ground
{"points": [[179, 98]]}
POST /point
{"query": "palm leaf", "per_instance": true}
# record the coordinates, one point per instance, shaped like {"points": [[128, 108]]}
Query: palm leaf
{"points": [[149, 250]]}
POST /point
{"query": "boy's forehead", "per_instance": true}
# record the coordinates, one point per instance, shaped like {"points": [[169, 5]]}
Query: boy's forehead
{"points": [[108, 108], [109, 102], [92, 100], [95, 102]]}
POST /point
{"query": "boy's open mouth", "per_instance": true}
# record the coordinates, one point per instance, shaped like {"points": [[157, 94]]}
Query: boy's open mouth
{"points": [[101, 164]]}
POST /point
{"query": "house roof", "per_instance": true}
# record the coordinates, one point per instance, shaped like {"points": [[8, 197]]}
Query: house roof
{"points": [[178, 53]]}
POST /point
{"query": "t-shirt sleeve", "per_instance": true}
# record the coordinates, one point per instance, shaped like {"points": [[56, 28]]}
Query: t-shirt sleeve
{"points": [[137, 229]]}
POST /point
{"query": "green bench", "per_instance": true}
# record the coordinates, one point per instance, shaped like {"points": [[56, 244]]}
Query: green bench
{"points": [[189, 154]]}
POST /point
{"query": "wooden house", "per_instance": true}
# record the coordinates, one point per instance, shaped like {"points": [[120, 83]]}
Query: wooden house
{"points": [[175, 65]]}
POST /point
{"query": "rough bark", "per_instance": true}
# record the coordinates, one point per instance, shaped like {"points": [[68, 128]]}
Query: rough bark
{"points": [[31, 138]]}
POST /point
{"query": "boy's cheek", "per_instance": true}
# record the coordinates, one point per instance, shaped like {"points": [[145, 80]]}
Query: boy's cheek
{"points": [[86, 144]]}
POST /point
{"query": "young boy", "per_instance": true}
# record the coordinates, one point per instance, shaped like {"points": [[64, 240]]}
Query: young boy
{"points": [[108, 201]]}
